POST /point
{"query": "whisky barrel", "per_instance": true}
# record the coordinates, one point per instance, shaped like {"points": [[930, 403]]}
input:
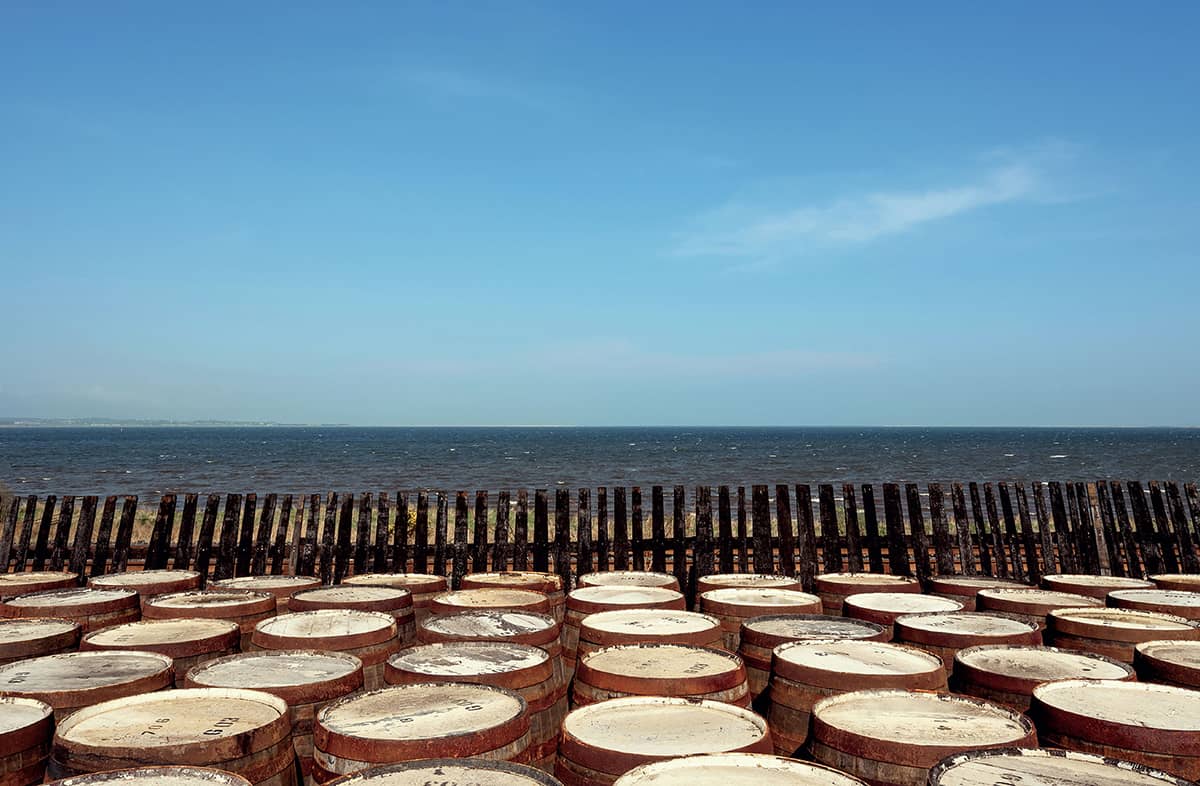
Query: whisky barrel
{"points": [[157, 776], [944, 633], [647, 626], [450, 772], [245, 732], [761, 635], [1153, 725], [884, 608], [895, 737], [1044, 767], [282, 587], [549, 584], [1094, 586], [601, 742], [420, 721], [660, 670], [735, 769], [371, 636], [734, 605], [1187, 582], [423, 586], [964, 588], [32, 637], [628, 578], [1007, 674], [73, 680], [91, 608], [516, 627], [590, 600], [1178, 602], [834, 588], [148, 582], [805, 672], [186, 641], [490, 600], [1114, 632], [246, 608], [1168, 662], [26, 727], [396, 601], [715, 581], [306, 680], [14, 584], [522, 668], [1032, 604]]}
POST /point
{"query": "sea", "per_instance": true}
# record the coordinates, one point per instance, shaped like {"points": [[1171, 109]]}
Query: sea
{"points": [[150, 461]]}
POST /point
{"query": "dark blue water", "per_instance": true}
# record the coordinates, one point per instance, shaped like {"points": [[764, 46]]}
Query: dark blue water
{"points": [[150, 461]]}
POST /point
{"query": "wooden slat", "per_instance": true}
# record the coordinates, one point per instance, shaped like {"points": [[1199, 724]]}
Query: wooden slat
{"points": [[245, 546], [1033, 573], [603, 539], [104, 536], [1162, 526], [1112, 538], [807, 535], [743, 536], [343, 540], [871, 522], [996, 533], [854, 557], [440, 531], [521, 532], [41, 548], [562, 535], [1011, 536], [22, 553], [831, 542], [583, 513], [764, 559], [679, 565], [58, 551], [898, 562], [383, 525], [943, 546], [1088, 544], [262, 539], [541, 531], [277, 551], [1064, 535], [363, 534], [458, 551], [421, 534], [981, 529], [328, 548], [479, 549], [962, 530], [501, 548], [703, 563], [208, 526], [920, 538], [1045, 531], [310, 545], [725, 529], [158, 551], [783, 525], [226, 545], [124, 534], [620, 531], [298, 540], [10, 531], [1193, 503], [83, 536], [658, 534], [1133, 560], [636, 533], [400, 551], [187, 530], [1183, 529]]}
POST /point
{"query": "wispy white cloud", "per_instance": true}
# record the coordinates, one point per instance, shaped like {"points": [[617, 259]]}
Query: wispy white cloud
{"points": [[452, 84]]}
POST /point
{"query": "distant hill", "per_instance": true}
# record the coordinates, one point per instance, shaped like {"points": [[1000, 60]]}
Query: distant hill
{"points": [[135, 423]]}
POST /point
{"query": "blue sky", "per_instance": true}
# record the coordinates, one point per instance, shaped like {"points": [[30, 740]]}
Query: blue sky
{"points": [[605, 213]]}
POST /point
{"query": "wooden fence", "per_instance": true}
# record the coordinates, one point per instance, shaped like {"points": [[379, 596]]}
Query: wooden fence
{"points": [[1020, 530]]}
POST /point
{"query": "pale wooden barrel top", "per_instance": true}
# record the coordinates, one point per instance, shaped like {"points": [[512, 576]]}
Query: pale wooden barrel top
{"points": [[69, 672], [1032, 601], [969, 585], [1179, 602], [1177, 581], [537, 581], [296, 676], [75, 600], [810, 626], [740, 601], [477, 659], [139, 578], [653, 623], [1121, 624], [13, 584], [746, 581], [396, 598], [587, 600], [835, 664], [679, 662], [16, 633], [325, 626], [1043, 767], [1009, 667], [736, 769], [274, 584], [417, 583], [1178, 661], [491, 598], [629, 578], [1092, 585], [901, 602], [1131, 715], [966, 624], [490, 624], [157, 776], [450, 772], [179, 633], [849, 583], [22, 712], [211, 602]]}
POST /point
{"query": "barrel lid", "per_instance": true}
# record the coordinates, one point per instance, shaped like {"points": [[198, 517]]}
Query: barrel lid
{"points": [[537, 581], [188, 725], [588, 600], [772, 629], [24, 723], [12, 584], [745, 601], [833, 664], [1177, 661], [491, 598], [1044, 767], [1182, 603], [1131, 715], [504, 663], [736, 769], [139, 578], [629, 578], [527, 627], [660, 669], [631, 625], [746, 581], [77, 600], [366, 597], [617, 735], [279, 586], [296, 676], [19, 633], [891, 604], [325, 629], [1127, 625], [69, 679], [964, 628], [1177, 581], [179, 638], [413, 721], [1018, 668], [1095, 586], [450, 772], [423, 583], [850, 583], [157, 776], [969, 585], [1032, 601], [915, 729], [210, 603]]}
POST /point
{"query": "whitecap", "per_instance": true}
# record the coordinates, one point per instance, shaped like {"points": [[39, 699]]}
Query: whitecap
{"points": [[1057, 456]]}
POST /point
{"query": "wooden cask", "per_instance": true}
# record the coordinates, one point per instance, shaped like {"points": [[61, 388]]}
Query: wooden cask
{"points": [[628, 578], [660, 670], [490, 600], [761, 635], [91, 608], [14, 584], [896, 737], [157, 776], [1094, 586], [396, 601], [523, 668], [516, 627], [1178, 602], [1169, 662], [834, 588], [423, 586], [244, 732], [589, 600], [73, 680], [549, 584], [147, 583], [187, 641], [1114, 632], [735, 769], [734, 605], [282, 587], [1042, 767], [245, 608], [370, 636], [884, 608], [306, 680], [648, 626], [945, 633], [26, 727], [450, 772], [1032, 604], [805, 672], [428, 720], [1187, 582], [964, 588], [601, 742], [1007, 674], [1153, 725], [715, 581], [32, 637]]}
